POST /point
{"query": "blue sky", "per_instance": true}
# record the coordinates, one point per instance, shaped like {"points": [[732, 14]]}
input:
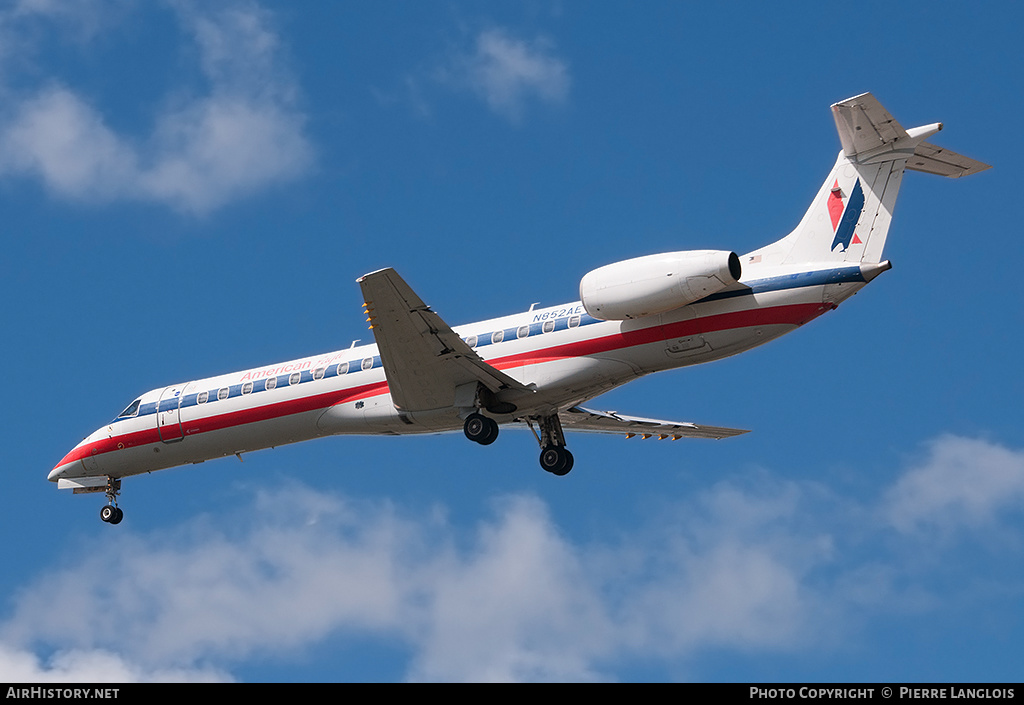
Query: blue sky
{"points": [[193, 188]]}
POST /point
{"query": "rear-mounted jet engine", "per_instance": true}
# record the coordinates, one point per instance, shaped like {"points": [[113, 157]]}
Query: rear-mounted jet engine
{"points": [[654, 284]]}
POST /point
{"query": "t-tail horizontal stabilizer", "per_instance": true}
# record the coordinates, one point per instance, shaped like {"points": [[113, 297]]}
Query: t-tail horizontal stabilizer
{"points": [[848, 221], [870, 134]]}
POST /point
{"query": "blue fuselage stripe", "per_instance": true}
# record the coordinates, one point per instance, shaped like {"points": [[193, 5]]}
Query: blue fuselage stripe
{"points": [[788, 281], [793, 281]]}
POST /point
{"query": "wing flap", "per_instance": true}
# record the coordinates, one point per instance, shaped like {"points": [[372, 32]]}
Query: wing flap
{"points": [[424, 359], [579, 419]]}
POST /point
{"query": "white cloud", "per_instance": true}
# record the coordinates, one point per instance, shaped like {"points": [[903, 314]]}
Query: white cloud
{"points": [[518, 606], [728, 569], [244, 134], [201, 592], [518, 602], [55, 136], [752, 565], [306, 566], [963, 483], [508, 73], [80, 19], [21, 666]]}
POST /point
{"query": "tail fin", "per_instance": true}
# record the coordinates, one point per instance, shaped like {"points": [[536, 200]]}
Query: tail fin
{"points": [[849, 218]]}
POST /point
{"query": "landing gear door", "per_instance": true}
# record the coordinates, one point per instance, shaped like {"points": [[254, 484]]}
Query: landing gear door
{"points": [[168, 414]]}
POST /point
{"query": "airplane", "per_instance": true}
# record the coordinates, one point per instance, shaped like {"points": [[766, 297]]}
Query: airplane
{"points": [[536, 369]]}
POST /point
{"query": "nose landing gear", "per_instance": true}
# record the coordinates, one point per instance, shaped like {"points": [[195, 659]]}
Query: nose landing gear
{"points": [[112, 513]]}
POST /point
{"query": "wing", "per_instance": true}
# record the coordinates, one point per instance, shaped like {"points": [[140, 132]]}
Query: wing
{"points": [[579, 419], [424, 359]]}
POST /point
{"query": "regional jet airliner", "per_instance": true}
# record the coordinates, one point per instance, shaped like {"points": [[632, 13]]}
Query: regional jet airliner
{"points": [[537, 369]]}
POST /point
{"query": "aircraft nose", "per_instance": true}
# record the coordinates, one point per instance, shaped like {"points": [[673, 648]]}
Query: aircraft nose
{"points": [[66, 463]]}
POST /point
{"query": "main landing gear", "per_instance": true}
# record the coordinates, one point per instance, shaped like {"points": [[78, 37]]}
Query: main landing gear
{"points": [[112, 513], [481, 429], [555, 458]]}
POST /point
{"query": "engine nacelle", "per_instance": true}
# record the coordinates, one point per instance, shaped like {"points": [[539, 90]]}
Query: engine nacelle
{"points": [[654, 284]]}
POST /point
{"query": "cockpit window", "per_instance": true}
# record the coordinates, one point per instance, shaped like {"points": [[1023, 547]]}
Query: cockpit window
{"points": [[132, 410]]}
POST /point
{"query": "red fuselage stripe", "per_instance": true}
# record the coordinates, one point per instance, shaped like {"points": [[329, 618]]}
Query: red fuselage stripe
{"points": [[794, 314]]}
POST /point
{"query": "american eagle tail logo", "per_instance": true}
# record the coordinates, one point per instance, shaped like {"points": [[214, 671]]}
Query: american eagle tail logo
{"points": [[845, 216]]}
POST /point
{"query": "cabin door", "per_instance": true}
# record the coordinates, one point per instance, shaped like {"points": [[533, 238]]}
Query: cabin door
{"points": [[168, 414]]}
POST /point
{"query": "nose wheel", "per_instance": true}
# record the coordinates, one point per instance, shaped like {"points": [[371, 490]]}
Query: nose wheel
{"points": [[112, 513]]}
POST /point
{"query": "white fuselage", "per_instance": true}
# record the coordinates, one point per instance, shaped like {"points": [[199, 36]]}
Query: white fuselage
{"points": [[636, 316], [562, 353]]}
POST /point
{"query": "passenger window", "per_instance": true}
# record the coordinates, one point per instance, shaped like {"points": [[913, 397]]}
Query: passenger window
{"points": [[574, 321], [294, 377], [132, 410], [342, 368], [222, 394], [548, 326], [202, 397], [318, 373], [497, 336], [523, 331], [247, 388], [471, 341], [271, 383], [367, 363]]}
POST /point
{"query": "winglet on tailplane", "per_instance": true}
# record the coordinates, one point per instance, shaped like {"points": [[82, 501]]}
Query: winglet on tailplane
{"points": [[849, 218]]}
